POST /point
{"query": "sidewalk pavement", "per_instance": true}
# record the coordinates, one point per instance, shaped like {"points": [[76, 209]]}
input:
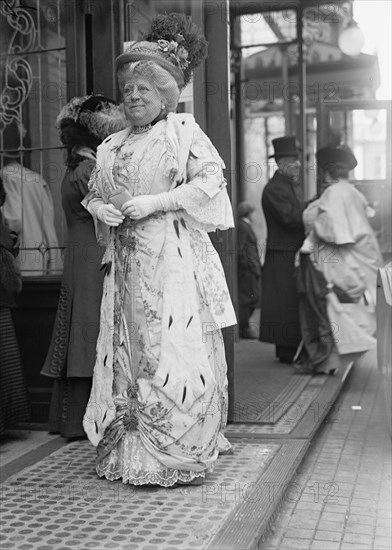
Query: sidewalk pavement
{"points": [[341, 496], [58, 503]]}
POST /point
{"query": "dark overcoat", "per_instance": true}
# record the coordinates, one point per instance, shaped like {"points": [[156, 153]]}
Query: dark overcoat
{"points": [[283, 204], [73, 346]]}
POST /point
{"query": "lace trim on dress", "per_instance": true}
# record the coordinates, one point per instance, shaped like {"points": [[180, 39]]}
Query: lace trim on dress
{"points": [[138, 159], [131, 462], [209, 214]]}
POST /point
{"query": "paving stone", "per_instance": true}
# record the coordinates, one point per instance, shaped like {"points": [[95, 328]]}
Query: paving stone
{"points": [[303, 520], [383, 532], [358, 538], [354, 527], [296, 533], [382, 542], [334, 517], [327, 535], [353, 546], [330, 525], [294, 544], [323, 545]]}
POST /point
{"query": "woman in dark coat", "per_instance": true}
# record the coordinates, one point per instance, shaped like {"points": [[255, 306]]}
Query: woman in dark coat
{"points": [[14, 400], [84, 122]]}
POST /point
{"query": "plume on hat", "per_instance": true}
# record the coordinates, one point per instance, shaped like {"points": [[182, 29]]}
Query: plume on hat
{"points": [[174, 42], [179, 28], [99, 115]]}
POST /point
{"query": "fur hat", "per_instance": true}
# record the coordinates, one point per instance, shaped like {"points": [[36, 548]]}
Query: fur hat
{"points": [[336, 155], [174, 42]]}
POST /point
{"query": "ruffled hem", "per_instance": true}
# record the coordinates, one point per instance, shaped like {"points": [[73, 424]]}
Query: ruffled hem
{"points": [[131, 462], [167, 478]]}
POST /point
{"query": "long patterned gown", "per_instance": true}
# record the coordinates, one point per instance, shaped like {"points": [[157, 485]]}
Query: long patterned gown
{"points": [[158, 406]]}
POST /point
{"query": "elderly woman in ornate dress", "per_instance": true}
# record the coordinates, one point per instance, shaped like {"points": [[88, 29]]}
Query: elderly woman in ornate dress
{"points": [[158, 405]]}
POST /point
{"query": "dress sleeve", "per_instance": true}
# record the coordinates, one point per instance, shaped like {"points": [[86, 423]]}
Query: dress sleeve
{"points": [[204, 196], [286, 212], [341, 218], [310, 215]]}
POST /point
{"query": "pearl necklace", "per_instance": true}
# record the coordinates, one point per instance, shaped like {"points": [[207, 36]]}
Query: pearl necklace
{"points": [[141, 129]]}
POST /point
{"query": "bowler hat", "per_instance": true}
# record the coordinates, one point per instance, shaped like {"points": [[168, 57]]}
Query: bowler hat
{"points": [[285, 147], [340, 154]]}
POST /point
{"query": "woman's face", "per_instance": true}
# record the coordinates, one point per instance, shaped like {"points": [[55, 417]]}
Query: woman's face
{"points": [[142, 103]]}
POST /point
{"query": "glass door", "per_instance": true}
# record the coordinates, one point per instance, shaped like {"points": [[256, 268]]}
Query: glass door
{"points": [[365, 126]]}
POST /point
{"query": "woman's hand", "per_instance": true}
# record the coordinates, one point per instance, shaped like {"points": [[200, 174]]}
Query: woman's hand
{"points": [[109, 214], [142, 206]]}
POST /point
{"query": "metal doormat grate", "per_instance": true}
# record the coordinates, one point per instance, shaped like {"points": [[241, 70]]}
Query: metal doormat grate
{"points": [[61, 504], [290, 414]]}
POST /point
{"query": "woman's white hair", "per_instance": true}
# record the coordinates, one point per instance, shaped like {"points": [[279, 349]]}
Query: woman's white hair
{"points": [[163, 82]]}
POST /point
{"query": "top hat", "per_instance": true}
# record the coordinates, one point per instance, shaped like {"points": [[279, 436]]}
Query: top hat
{"points": [[285, 147], [340, 154]]}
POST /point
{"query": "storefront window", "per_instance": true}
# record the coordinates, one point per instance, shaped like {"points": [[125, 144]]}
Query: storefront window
{"points": [[33, 90]]}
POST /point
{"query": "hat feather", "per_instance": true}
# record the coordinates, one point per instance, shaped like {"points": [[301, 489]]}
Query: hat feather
{"points": [[180, 28]]}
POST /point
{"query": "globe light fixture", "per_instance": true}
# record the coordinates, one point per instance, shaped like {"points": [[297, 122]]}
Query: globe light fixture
{"points": [[351, 39]]}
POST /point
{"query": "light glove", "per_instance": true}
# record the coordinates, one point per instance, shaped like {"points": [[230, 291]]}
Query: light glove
{"points": [[110, 215], [145, 205]]}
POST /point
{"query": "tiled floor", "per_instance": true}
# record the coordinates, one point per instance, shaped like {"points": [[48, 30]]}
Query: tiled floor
{"points": [[60, 504]]}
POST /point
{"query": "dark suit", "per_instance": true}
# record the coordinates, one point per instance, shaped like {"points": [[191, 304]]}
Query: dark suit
{"points": [[249, 272], [283, 204]]}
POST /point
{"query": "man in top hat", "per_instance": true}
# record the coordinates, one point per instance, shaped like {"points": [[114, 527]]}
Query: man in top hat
{"points": [[283, 204]]}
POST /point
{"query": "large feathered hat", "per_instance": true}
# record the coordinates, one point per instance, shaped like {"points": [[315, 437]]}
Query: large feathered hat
{"points": [[96, 114], [86, 121], [174, 42]]}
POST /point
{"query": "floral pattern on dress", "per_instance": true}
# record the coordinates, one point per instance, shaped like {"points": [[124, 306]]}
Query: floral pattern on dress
{"points": [[187, 436]]}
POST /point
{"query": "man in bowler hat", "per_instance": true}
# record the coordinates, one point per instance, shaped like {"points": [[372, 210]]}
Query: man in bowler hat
{"points": [[282, 202]]}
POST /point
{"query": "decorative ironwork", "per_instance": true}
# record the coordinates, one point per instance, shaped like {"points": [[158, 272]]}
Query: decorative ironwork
{"points": [[18, 75]]}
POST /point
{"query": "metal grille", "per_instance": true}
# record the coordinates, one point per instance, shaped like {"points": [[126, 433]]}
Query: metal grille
{"points": [[33, 90], [60, 504]]}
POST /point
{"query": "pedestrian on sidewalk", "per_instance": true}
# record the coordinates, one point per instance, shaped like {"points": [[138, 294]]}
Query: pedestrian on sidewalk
{"points": [[14, 402], [83, 123], [283, 204], [158, 404], [337, 271], [28, 207], [249, 269]]}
